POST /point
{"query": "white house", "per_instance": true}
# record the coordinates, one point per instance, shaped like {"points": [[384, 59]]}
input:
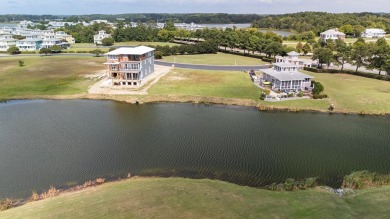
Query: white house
{"points": [[293, 58], [51, 42], [373, 33], [285, 77], [6, 43], [97, 39], [332, 34], [29, 44]]}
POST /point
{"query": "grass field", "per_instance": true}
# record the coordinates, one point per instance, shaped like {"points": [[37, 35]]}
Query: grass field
{"points": [[46, 75], [187, 198], [184, 82], [214, 59]]}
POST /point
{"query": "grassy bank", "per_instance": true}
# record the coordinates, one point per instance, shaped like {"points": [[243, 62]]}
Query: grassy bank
{"points": [[214, 59], [187, 198], [49, 75]]}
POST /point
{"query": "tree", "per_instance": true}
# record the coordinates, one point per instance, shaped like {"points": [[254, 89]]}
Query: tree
{"points": [[299, 47], [380, 56], [273, 48], [324, 56], [359, 54], [343, 53], [45, 51], [306, 49], [13, 50], [108, 41], [97, 52], [55, 49], [170, 26]]}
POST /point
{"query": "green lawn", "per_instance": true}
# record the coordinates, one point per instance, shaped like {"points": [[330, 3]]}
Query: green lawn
{"points": [[214, 59], [46, 75], [185, 82], [188, 198]]}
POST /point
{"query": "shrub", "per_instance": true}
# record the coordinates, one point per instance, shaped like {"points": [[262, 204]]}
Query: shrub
{"points": [[300, 94], [21, 63], [365, 179], [108, 41], [158, 55], [267, 92], [290, 95], [6, 204], [13, 50], [320, 96], [262, 96]]}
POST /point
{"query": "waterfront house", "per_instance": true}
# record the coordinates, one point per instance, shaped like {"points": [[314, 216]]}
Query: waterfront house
{"points": [[97, 39], [29, 44], [373, 33], [332, 34], [129, 66], [293, 58], [285, 76]]}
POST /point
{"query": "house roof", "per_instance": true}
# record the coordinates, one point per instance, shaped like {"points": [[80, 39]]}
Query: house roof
{"points": [[333, 32], [293, 53], [285, 65], [286, 76], [374, 30], [31, 40], [140, 50]]}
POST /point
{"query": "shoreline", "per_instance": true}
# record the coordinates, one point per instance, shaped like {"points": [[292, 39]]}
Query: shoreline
{"points": [[189, 99]]}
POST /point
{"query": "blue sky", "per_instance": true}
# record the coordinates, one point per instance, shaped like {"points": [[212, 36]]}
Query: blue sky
{"points": [[72, 7]]}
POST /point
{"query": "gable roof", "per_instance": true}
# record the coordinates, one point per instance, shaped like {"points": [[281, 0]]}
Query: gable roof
{"points": [[139, 50], [333, 32]]}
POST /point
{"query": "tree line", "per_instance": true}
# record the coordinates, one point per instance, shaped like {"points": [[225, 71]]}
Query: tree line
{"points": [[372, 55], [351, 23], [204, 18]]}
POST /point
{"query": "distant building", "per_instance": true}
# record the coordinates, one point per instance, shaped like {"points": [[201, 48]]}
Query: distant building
{"points": [[293, 58], [129, 66], [6, 43], [373, 33], [332, 34], [47, 43], [29, 44], [285, 77], [63, 35], [97, 39]]}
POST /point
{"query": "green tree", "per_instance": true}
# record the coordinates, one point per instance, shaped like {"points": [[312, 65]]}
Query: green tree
{"points": [[380, 56], [45, 51], [324, 56], [273, 48], [55, 49], [170, 26], [318, 88], [343, 53], [97, 52], [359, 54], [299, 47], [108, 41], [13, 50], [306, 49]]}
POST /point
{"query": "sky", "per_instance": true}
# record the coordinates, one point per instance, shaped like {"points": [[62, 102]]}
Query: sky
{"points": [[79, 7]]}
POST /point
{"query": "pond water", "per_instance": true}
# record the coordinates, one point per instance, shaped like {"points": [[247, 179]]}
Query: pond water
{"points": [[44, 143]]}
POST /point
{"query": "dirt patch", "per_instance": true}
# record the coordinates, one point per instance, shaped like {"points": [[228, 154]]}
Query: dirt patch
{"points": [[105, 86]]}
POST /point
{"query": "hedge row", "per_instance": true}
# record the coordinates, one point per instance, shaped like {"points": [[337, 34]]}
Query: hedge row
{"points": [[352, 72], [263, 58]]}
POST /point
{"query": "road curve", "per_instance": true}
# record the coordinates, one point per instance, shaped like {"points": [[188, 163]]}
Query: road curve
{"points": [[214, 67]]}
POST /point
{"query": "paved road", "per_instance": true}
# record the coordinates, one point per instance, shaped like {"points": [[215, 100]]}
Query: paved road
{"points": [[214, 67]]}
